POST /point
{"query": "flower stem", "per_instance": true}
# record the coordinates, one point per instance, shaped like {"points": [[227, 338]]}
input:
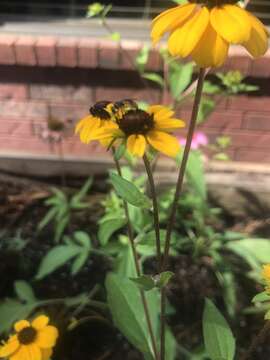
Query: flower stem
{"points": [[259, 339], [155, 209], [138, 270], [178, 190]]}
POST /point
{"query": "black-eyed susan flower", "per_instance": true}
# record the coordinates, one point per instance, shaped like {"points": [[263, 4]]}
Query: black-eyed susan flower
{"points": [[139, 128], [32, 341], [205, 29], [266, 276], [100, 117]]}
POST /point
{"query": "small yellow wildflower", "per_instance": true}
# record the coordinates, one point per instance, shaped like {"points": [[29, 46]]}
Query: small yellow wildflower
{"points": [[32, 341], [205, 29], [140, 128], [100, 117], [266, 276]]}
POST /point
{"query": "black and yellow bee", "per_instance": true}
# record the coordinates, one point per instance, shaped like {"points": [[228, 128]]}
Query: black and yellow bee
{"points": [[120, 108], [101, 110]]}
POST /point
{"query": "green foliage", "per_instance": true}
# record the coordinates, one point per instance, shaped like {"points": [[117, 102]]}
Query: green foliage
{"points": [[154, 77], [62, 207], [179, 77], [129, 192], [218, 338], [142, 59], [76, 249], [128, 314], [99, 10], [233, 82]]}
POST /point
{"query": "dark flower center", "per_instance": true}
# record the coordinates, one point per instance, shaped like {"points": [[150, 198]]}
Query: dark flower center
{"points": [[99, 110], [27, 335], [136, 122]]}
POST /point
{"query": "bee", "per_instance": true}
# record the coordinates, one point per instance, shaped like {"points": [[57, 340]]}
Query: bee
{"points": [[101, 110], [120, 108]]}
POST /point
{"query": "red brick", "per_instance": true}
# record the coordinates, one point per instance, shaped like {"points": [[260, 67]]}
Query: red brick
{"points": [[7, 52], [249, 103], [258, 156], [261, 67], [115, 94], [25, 145], [129, 51], [67, 52], [224, 120], [240, 138], [13, 91], [25, 50], [62, 94], [239, 63], [69, 112], [109, 54], [46, 51], [23, 109], [88, 53], [256, 121]]}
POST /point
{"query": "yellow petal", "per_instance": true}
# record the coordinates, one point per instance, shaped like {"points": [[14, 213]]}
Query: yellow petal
{"points": [[40, 322], [163, 142], [170, 19], [257, 43], [46, 354], [136, 145], [154, 108], [87, 130], [169, 124], [27, 352], [211, 51], [10, 347], [88, 120], [231, 22], [46, 337], [164, 113], [183, 40], [19, 325], [107, 132]]}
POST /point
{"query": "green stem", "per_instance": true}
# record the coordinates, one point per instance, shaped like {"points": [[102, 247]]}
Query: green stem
{"points": [[178, 190], [155, 209], [137, 267]]}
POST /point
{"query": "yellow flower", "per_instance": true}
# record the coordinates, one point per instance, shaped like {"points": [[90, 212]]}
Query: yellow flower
{"points": [[266, 276], [205, 30], [32, 341], [100, 117], [140, 128]]}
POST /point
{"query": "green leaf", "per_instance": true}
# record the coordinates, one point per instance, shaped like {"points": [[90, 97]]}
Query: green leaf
{"points": [[267, 315], [94, 9], [218, 338], [24, 291], [164, 278], [179, 78], [77, 198], [79, 262], [107, 228], [144, 282], [254, 251], [115, 36], [154, 77], [47, 218], [206, 107], [129, 192], [261, 297], [60, 227], [120, 151], [12, 311], [56, 258], [142, 58], [125, 261], [127, 311], [195, 174], [83, 239]]}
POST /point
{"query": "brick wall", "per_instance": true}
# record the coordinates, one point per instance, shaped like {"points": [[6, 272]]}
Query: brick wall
{"points": [[48, 77]]}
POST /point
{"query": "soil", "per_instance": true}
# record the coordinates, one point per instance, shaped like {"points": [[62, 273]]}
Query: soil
{"points": [[22, 208]]}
